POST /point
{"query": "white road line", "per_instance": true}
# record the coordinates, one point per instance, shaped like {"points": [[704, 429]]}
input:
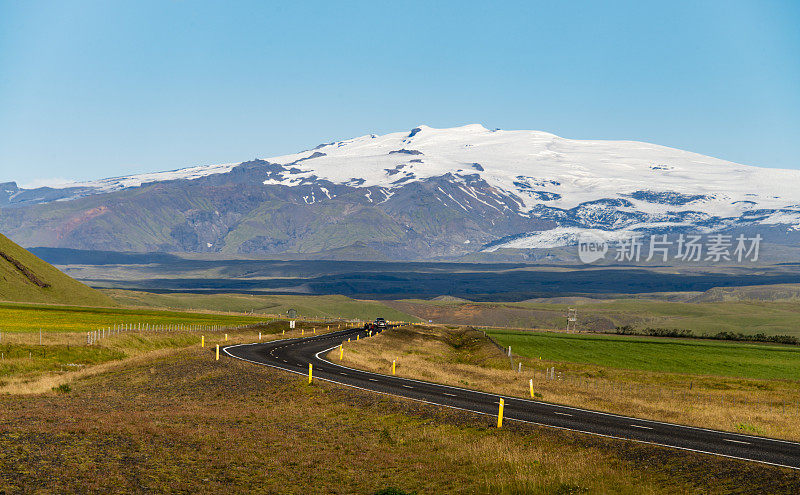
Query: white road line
{"points": [[372, 379], [736, 441], [642, 427], [563, 414], [449, 395], [601, 413], [408, 386], [259, 363]]}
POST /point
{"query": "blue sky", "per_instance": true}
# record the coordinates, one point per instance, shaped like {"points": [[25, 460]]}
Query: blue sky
{"points": [[95, 89]]}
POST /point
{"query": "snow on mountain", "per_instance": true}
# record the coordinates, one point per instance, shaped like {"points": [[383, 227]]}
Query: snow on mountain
{"points": [[576, 185], [119, 183], [542, 168]]}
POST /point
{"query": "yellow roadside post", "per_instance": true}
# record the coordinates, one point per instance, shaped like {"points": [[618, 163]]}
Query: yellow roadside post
{"points": [[394, 365], [284, 332], [500, 414], [302, 332], [202, 341], [226, 337], [530, 382], [341, 352], [217, 352], [357, 336], [315, 330], [310, 372]]}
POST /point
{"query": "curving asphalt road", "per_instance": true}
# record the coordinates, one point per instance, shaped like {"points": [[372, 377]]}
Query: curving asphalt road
{"points": [[294, 355]]}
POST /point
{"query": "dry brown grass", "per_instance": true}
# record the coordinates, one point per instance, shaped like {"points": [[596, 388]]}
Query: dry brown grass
{"points": [[466, 359], [133, 346], [179, 422]]}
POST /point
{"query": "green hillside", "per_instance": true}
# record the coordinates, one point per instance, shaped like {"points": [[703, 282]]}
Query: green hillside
{"points": [[24, 277]]}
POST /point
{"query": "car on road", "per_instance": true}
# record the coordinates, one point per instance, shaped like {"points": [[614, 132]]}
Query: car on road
{"points": [[380, 324]]}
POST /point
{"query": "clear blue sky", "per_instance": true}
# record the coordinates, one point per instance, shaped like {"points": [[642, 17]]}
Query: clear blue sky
{"points": [[93, 89]]}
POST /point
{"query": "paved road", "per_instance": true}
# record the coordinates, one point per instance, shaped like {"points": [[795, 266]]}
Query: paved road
{"points": [[294, 355]]}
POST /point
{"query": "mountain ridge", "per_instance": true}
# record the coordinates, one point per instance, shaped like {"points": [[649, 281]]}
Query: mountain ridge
{"points": [[413, 194]]}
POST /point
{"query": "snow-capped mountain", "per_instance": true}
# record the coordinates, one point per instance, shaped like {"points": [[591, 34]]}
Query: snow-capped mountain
{"points": [[442, 191]]}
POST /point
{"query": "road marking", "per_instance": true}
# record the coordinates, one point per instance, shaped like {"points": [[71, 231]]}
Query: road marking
{"points": [[563, 414], [345, 374], [772, 440], [449, 395], [736, 441], [642, 427], [372, 379], [408, 386]]}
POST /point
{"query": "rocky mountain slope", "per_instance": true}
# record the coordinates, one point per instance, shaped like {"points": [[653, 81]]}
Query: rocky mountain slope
{"points": [[424, 193]]}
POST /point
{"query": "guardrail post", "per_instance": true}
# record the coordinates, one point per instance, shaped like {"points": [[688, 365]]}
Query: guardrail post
{"points": [[394, 365], [341, 352], [310, 372], [217, 352], [202, 341], [530, 383]]}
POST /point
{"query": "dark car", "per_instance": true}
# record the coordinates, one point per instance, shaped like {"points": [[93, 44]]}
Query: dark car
{"points": [[380, 324]]}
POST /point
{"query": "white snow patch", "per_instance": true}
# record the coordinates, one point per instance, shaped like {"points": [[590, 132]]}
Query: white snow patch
{"points": [[559, 237]]}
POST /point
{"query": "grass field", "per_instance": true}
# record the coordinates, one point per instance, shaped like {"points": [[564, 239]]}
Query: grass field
{"points": [[733, 359], [306, 306], [180, 422], [465, 357], [20, 317], [750, 317], [26, 366]]}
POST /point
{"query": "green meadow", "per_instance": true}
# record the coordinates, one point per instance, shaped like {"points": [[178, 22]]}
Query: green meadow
{"points": [[17, 317], [690, 356]]}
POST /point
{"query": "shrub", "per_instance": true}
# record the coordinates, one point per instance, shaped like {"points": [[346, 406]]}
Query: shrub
{"points": [[684, 333], [64, 388]]}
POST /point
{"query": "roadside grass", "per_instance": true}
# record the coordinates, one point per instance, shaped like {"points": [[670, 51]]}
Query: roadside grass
{"points": [[464, 357], [332, 306], [177, 421], [746, 317], [29, 367], [21, 317], [669, 355]]}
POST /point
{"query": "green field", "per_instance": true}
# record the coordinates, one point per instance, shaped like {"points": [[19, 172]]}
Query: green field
{"points": [[746, 317], [732, 359], [306, 306], [740, 317], [17, 317]]}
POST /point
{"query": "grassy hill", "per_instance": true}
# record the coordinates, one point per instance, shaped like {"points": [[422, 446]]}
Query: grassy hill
{"points": [[24, 277]]}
